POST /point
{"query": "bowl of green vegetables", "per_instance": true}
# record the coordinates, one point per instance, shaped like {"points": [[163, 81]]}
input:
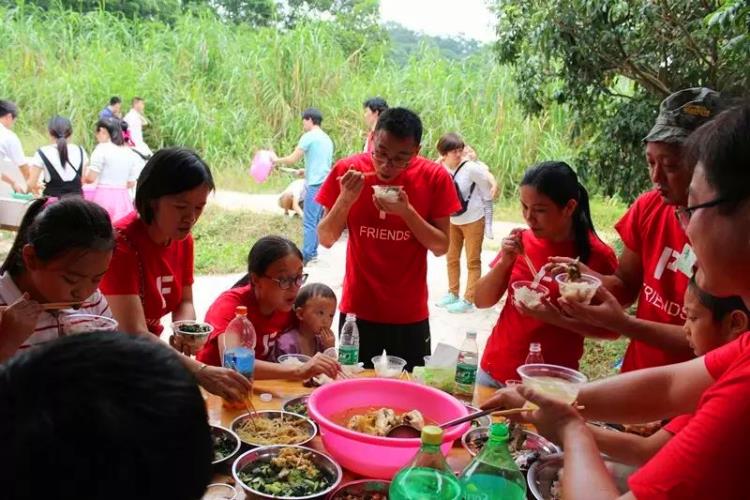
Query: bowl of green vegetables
{"points": [[297, 405], [226, 444], [192, 333], [286, 472]]}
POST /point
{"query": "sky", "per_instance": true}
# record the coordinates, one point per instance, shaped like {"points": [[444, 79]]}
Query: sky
{"points": [[442, 17]]}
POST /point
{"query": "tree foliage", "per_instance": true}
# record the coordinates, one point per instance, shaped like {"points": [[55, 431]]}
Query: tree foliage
{"points": [[613, 61], [405, 43]]}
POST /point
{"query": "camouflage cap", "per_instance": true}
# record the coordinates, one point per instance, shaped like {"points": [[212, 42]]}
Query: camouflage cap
{"points": [[683, 112]]}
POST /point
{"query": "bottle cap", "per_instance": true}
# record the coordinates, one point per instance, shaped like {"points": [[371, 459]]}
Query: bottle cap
{"points": [[241, 310], [432, 434], [266, 397], [535, 347], [499, 432], [471, 335]]}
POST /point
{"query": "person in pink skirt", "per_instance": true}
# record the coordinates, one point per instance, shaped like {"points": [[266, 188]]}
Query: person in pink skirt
{"points": [[114, 168]]}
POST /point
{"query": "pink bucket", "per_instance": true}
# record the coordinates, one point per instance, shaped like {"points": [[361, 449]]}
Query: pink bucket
{"points": [[261, 166], [374, 456]]}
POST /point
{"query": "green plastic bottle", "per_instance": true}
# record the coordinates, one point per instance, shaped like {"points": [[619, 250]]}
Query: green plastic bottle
{"points": [[493, 475], [428, 476]]}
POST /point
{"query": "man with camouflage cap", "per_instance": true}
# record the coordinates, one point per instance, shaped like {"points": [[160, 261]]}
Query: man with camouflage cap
{"points": [[657, 261]]}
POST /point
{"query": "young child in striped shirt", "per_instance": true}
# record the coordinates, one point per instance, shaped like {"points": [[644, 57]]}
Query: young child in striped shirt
{"points": [[60, 254]]}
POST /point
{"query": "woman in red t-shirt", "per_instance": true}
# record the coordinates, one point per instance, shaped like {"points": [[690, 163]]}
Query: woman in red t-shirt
{"points": [[268, 291], [556, 208], [708, 457], [151, 273]]}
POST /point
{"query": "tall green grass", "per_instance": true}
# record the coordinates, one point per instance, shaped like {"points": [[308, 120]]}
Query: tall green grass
{"points": [[227, 90]]}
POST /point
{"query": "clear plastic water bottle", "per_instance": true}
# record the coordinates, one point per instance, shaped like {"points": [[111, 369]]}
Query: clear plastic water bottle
{"points": [[349, 344], [466, 369], [427, 476], [493, 474], [238, 344], [535, 354]]}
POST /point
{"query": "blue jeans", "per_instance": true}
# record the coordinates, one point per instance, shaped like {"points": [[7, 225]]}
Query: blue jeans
{"points": [[312, 213]]}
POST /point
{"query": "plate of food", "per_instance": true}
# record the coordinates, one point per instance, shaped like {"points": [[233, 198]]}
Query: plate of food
{"points": [[364, 489], [286, 473], [270, 427], [525, 446], [545, 476], [297, 405], [226, 444]]}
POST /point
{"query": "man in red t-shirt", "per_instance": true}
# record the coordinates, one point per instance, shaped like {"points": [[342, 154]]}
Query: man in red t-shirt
{"points": [[705, 459], [656, 261], [385, 284]]}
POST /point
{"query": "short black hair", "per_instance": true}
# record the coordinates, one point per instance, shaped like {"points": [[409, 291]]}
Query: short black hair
{"points": [[114, 128], [313, 114], [450, 142], [102, 415], [307, 292], [8, 107], [401, 122], [722, 147], [376, 104], [66, 225], [169, 171], [720, 307], [114, 100]]}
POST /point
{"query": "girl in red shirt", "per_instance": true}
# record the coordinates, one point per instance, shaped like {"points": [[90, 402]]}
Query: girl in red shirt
{"points": [[151, 274], [556, 209], [268, 291]]}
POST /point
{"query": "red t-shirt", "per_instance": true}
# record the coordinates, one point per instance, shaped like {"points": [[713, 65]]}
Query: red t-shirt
{"points": [[222, 311], [154, 272], [508, 344], [677, 424], [708, 458], [650, 229], [386, 267]]}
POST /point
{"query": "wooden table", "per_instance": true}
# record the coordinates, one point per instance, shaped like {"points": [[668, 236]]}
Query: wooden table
{"points": [[282, 391]]}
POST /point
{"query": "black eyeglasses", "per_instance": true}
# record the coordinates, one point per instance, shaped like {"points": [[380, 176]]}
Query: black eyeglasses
{"points": [[395, 163], [685, 213], [287, 283]]}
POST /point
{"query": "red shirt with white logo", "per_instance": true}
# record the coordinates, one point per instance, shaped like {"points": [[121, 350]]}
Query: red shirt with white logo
{"points": [[708, 457], [508, 344], [650, 229], [156, 273], [267, 328], [386, 267]]}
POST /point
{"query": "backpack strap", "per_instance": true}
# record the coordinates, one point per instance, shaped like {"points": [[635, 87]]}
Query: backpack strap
{"points": [[473, 184]]}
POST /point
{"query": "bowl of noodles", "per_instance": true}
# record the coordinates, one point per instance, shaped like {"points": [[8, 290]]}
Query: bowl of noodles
{"points": [[271, 427]]}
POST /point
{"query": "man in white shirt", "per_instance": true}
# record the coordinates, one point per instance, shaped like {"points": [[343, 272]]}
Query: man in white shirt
{"points": [[10, 146], [136, 120]]}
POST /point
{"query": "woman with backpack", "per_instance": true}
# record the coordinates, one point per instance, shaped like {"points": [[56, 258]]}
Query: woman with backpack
{"points": [[61, 163], [114, 168], [467, 225]]}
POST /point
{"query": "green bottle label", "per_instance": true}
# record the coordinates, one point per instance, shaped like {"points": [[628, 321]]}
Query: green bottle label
{"points": [[466, 374], [348, 355]]}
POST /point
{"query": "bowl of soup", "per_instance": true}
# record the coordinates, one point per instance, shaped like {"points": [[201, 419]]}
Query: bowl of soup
{"points": [[335, 406]]}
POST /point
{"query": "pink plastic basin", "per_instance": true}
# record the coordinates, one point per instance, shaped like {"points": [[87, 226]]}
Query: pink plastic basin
{"points": [[373, 456]]}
